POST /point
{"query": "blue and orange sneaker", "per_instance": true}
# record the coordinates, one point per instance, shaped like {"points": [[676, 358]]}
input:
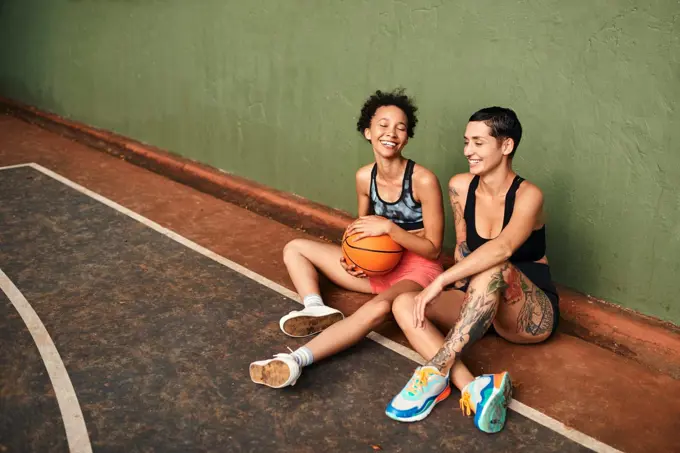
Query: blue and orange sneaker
{"points": [[488, 397], [426, 388]]}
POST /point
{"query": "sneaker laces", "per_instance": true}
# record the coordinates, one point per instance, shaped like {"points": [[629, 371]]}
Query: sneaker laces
{"points": [[466, 403], [418, 381], [283, 354]]}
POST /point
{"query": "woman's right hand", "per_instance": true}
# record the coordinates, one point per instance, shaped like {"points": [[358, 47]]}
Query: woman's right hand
{"points": [[423, 298], [352, 269]]}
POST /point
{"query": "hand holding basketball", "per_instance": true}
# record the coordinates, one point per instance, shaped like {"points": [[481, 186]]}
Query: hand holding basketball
{"points": [[371, 256], [352, 269], [369, 226]]}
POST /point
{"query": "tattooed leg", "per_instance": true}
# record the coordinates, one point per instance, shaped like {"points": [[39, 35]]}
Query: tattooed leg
{"points": [[525, 314], [535, 318], [478, 312]]}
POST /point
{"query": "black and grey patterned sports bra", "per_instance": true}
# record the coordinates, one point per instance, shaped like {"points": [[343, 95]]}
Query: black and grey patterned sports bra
{"points": [[406, 211]]}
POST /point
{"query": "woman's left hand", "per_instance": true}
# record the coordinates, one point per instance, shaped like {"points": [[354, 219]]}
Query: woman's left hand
{"points": [[426, 296], [371, 225]]}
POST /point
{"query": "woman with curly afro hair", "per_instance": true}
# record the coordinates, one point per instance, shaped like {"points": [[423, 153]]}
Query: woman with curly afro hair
{"points": [[396, 197]]}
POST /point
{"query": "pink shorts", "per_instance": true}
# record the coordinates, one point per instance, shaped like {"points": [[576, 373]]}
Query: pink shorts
{"points": [[411, 267]]}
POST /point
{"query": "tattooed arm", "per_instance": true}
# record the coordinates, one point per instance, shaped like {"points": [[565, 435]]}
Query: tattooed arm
{"points": [[493, 253], [461, 251], [457, 185], [527, 210]]}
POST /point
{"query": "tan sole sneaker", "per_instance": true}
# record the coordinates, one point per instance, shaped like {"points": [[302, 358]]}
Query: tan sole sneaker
{"points": [[279, 372], [309, 320], [306, 325]]}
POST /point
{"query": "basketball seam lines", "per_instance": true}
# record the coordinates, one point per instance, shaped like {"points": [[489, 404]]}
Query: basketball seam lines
{"points": [[367, 269], [369, 250]]}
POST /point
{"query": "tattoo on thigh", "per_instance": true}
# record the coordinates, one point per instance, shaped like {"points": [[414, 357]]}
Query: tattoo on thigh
{"points": [[516, 287], [477, 314], [497, 282], [536, 315]]}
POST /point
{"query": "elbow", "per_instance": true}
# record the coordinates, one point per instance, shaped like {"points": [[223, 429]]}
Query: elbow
{"points": [[434, 254], [504, 251]]}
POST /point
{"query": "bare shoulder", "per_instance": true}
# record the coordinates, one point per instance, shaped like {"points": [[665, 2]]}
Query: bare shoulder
{"points": [[425, 185], [529, 193], [365, 172], [459, 184], [424, 178], [363, 177]]}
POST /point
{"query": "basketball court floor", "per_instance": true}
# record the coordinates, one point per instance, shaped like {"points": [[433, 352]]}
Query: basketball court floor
{"points": [[120, 334], [132, 338]]}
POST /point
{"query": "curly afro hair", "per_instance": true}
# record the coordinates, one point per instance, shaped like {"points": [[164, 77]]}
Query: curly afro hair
{"points": [[379, 99]]}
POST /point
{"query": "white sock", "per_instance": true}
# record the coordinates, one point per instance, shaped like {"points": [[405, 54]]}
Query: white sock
{"points": [[303, 356], [312, 300]]}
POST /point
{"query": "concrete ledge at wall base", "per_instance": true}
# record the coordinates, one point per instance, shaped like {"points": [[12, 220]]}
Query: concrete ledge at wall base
{"points": [[649, 341], [645, 339]]}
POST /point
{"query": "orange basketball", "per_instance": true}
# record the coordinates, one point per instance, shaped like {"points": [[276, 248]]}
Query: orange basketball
{"points": [[374, 255]]}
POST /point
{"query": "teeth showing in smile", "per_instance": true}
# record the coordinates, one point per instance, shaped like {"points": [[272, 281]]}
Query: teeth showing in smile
{"points": [[388, 144], [474, 161]]}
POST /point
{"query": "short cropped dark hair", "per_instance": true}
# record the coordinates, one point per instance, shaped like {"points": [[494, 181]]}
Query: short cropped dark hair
{"points": [[397, 98], [503, 123]]}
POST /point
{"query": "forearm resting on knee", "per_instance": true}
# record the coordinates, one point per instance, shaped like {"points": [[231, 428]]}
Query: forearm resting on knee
{"points": [[484, 258]]}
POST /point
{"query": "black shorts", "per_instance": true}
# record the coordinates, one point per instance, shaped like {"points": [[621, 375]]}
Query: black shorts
{"points": [[539, 274]]}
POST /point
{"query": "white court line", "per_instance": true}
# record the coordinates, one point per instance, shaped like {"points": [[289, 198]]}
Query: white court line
{"points": [[528, 412], [9, 167], [74, 423]]}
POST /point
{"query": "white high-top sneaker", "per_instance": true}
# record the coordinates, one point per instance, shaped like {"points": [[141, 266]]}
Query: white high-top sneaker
{"points": [[309, 320], [281, 371]]}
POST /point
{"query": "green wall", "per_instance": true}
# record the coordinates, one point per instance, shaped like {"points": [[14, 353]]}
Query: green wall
{"points": [[270, 90]]}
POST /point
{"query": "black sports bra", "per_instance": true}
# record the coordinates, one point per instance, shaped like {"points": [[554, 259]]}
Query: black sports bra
{"points": [[406, 211], [533, 249]]}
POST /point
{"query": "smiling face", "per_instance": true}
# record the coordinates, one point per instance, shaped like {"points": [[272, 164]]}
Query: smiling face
{"points": [[483, 151], [388, 132]]}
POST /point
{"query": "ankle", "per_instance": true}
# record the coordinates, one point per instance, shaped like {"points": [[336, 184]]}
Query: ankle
{"points": [[443, 371], [303, 356], [312, 300]]}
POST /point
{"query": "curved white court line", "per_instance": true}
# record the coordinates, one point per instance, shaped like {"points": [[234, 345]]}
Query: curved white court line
{"points": [[74, 423], [523, 409]]}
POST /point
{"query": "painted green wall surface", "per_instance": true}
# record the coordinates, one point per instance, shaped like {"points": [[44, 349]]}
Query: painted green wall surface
{"points": [[270, 90]]}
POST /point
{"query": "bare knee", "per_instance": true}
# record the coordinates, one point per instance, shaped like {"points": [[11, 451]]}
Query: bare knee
{"points": [[293, 249], [402, 307], [375, 312]]}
